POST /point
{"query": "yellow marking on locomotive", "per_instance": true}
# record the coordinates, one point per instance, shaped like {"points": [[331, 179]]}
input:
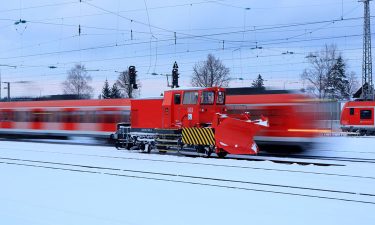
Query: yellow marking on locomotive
{"points": [[198, 136]]}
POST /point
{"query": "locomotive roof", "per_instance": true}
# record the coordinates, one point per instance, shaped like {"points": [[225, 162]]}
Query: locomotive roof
{"points": [[188, 88], [360, 103], [147, 98], [254, 91]]}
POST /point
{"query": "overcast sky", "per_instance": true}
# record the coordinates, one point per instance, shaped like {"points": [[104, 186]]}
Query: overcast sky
{"points": [[250, 37]]}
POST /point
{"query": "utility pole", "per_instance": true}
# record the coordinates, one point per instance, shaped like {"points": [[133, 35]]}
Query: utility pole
{"points": [[5, 65], [8, 87], [367, 84]]}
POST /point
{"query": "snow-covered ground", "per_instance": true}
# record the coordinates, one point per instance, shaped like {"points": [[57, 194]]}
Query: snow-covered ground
{"points": [[351, 147], [64, 184]]}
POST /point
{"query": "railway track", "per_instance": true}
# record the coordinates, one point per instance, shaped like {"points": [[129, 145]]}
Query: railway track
{"points": [[263, 156], [216, 163], [321, 193], [209, 164], [325, 158]]}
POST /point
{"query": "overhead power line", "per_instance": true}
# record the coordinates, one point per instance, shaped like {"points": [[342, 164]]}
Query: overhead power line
{"points": [[113, 45]]}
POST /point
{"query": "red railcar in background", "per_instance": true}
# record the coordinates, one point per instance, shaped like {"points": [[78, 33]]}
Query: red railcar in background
{"points": [[358, 116], [292, 116], [95, 118]]}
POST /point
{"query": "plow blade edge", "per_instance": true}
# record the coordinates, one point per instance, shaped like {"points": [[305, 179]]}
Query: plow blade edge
{"points": [[236, 136]]}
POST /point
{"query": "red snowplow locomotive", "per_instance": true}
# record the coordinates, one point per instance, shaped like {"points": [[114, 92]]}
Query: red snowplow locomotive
{"points": [[188, 119]]}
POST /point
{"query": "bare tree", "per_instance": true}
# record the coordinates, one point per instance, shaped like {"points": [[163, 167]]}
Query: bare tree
{"points": [[321, 64], [77, 82], [327, 75], [210, 72], [354, 84], [127, 90]]}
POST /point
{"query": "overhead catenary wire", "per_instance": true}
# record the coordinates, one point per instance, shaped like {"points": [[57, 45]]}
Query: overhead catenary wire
{"points": [[63, 56], [112, 45]]}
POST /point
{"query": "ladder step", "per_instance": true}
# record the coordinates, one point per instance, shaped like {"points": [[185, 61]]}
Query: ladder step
{"points": [[166, 140], [167, 145]]}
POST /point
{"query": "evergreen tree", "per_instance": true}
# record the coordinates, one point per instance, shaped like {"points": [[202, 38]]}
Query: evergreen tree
{"points": [[337, 82], [115, 92], [258, 83], [106, 92]]}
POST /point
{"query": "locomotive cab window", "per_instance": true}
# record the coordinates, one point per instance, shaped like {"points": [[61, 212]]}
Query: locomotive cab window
{"points": [[177, 99], [207, 98], [220, 98], [351, 111], [365, 114], [190, 98]]}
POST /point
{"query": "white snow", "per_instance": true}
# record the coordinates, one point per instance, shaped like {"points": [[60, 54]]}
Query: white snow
{"points": [[263, 123], [223, 144], [254, 147], [63, 184], [352, 147]]}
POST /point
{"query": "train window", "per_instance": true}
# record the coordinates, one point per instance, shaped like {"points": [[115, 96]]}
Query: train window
{"points": [[351, 111], [46, 116], [107, 117], [190, 98], [80, 116], [207, 98], [220, 98], [3, 116], [27, 116], [58, 116], [6, 116], [17, 116], [365, 114], [37, 117], [75, 117], [92, 118], [125, 117], [67, 117], [177, 99]]}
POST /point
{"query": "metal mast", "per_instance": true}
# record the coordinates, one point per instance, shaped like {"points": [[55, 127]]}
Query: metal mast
{"points": [[367, 85]]}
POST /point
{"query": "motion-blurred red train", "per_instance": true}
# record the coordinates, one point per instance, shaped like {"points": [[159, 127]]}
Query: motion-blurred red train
{"points": [[358, 116], [95, 118], [291, 116]]}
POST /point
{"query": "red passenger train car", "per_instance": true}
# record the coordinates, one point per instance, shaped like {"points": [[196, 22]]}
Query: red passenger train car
{"points": [[358, 116], [292, 115], [96, 118]]}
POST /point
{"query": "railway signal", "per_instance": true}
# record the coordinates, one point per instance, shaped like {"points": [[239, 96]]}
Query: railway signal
{"points": [[132, 77], [175, 75]]}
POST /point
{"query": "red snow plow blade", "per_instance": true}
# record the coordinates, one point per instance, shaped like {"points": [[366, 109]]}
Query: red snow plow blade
{"points": [[235, 135]]}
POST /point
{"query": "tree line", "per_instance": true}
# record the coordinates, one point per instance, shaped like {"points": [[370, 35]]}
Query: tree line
{"points": [[326, 76], [78, 83]]}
